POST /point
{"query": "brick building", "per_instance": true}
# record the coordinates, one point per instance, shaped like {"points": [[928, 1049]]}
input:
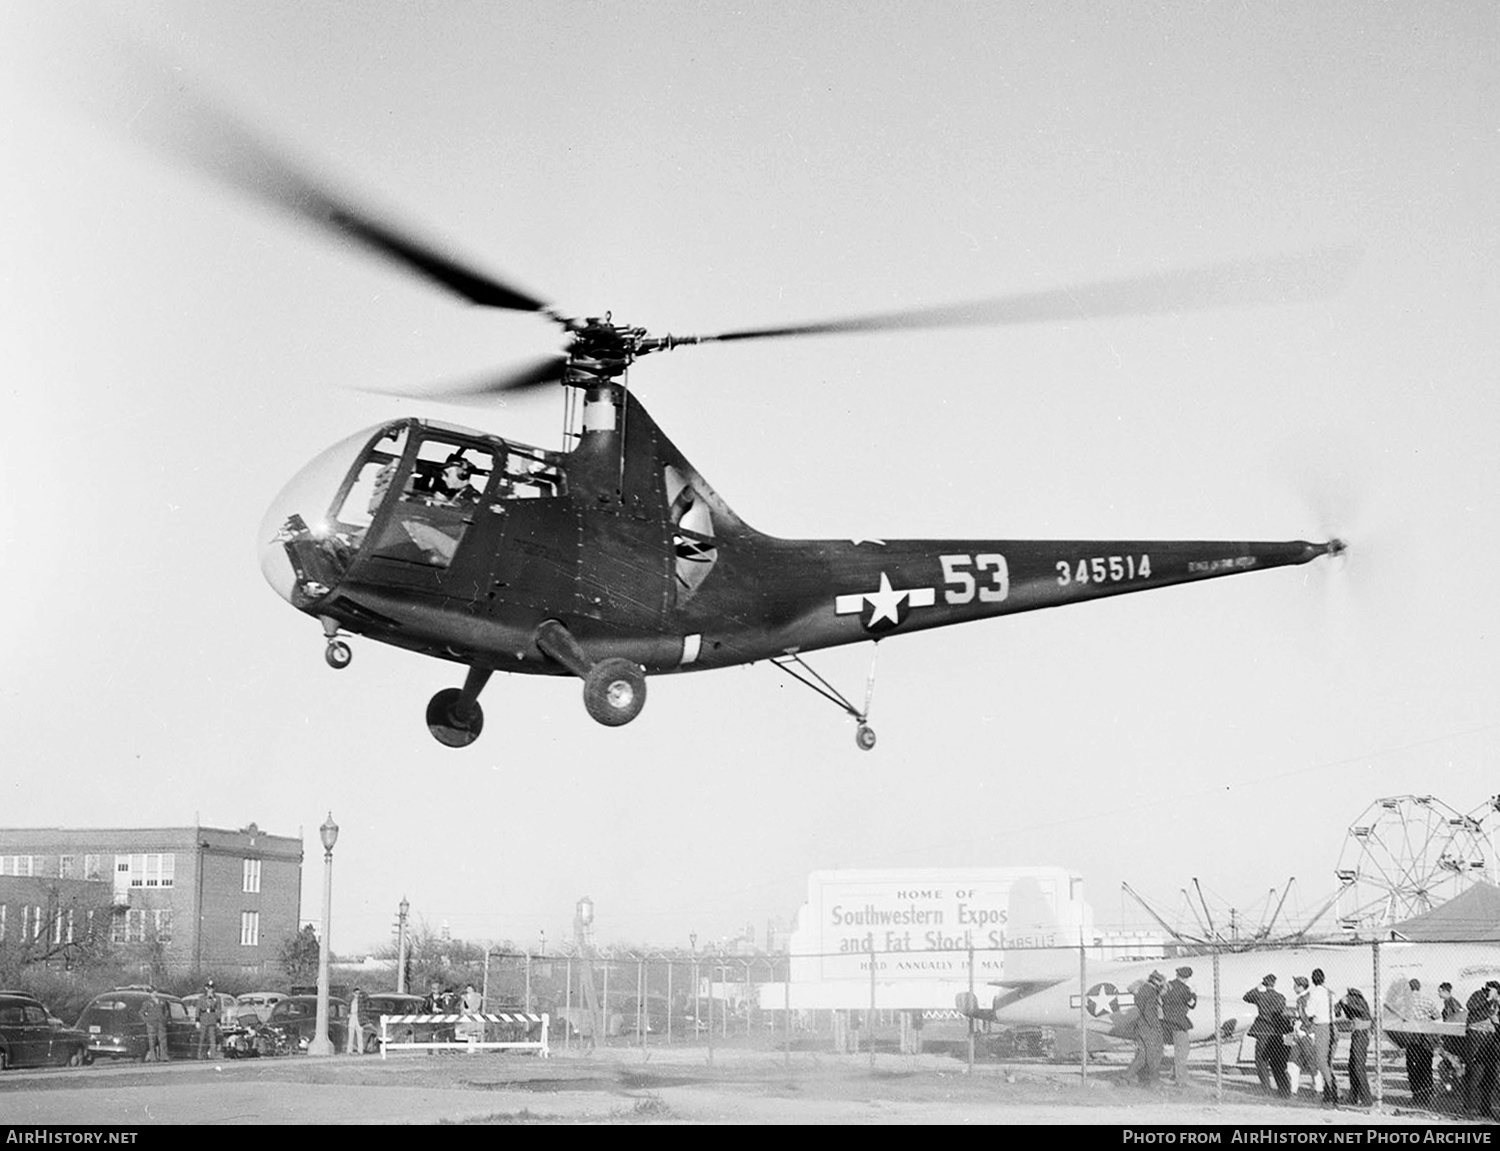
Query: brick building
{"points": [[207, 897]]}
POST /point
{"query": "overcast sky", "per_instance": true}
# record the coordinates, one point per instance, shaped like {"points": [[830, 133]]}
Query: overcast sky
{"points": [[173, 354]]}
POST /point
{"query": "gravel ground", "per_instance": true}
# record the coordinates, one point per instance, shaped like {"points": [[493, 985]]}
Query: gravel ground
{"points": [[626, 1086]]}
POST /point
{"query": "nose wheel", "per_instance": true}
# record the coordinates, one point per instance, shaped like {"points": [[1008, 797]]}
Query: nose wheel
{"points": [[337, 654], [864, 736]]}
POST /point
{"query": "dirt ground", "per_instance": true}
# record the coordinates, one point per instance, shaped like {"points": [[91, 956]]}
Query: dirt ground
{"points": [[664, 1086]]}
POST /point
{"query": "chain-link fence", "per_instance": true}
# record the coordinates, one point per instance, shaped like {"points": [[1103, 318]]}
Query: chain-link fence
{"points": [[1396, 1023]]}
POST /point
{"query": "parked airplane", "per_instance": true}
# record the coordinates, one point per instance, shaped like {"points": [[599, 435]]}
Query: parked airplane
{"points": [[1106, 1003]]}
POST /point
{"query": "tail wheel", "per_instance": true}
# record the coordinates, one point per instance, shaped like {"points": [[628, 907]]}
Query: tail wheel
{"points": [[4, 1057], [447, 726], [614, 691], [372, 1045]]}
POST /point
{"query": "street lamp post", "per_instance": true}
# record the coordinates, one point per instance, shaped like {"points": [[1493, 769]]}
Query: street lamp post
{"points": [[320, 1045], [401, 946]]}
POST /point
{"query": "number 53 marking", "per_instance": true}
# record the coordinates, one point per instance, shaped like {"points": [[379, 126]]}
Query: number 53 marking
{"points": [[992, 569]]}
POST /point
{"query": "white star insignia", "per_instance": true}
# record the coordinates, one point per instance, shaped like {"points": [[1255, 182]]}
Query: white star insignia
{"points": [[885, 602]]}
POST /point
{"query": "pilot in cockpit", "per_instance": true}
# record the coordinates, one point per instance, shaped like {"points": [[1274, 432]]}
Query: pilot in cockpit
{"points": [[451, 485]]}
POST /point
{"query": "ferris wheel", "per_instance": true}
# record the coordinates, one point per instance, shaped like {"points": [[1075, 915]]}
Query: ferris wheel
{"points": [[1406, 855]]}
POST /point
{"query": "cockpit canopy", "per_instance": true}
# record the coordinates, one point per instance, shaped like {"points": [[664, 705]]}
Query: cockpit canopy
{"points": [[342, 505]]}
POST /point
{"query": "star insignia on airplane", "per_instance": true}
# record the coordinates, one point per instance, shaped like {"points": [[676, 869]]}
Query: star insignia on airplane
{"points": [[1105, 999], [885, 604]]}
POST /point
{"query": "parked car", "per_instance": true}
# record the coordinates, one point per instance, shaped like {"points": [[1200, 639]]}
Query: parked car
{"points": [[379, 1003], [260, 1002], [31, 1037], [113, 1025], [296, 1018]]}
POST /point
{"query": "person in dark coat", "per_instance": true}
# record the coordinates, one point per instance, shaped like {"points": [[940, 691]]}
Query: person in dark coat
{"points": [[1484, 1049], [1176, 1001], [209, 1014], [1356, 1008], [154, 1012], [1146, 1067], [1269, 1032]]}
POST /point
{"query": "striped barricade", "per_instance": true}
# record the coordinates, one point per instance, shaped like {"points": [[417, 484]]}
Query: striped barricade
{"points": [[468, 1032]]}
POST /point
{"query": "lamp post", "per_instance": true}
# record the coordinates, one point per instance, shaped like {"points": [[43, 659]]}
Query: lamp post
{"points": [[329, 833], [401, 946]]}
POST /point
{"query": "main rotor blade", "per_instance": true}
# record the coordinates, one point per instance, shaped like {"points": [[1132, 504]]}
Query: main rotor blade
{"points": [[1307, 275], [217, 145], [123, 87], [537, 373]]}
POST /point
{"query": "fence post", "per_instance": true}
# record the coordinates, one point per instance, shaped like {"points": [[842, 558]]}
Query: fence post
{"points": [[568, 1019], [669, 1001], [870, 1019], [1377, 1009], [1083, 990], [786, 1004], [971, 1000], [1218, 1034]]}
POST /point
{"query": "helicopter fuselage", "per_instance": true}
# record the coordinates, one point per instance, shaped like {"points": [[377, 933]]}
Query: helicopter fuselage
{"points": [[623, 544]]}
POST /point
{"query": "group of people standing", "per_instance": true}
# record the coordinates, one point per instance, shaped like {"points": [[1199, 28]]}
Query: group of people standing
{"points": [[1303, 1032], [1161, 1016], [156, 1012]]}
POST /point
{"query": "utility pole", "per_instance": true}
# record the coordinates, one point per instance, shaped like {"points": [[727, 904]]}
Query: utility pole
{"points": [[401, 945]]}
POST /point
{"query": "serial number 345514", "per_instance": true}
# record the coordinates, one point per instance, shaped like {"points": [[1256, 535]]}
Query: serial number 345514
{"points": [[1103, 569]]}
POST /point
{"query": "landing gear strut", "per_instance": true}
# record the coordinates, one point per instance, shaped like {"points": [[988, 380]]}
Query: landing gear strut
{"points": [[794, 666], [337, 653], [454, 716], [614, 690]]}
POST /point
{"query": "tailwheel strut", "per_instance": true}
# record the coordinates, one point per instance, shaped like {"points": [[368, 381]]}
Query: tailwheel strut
{"points": [[798, 668]]}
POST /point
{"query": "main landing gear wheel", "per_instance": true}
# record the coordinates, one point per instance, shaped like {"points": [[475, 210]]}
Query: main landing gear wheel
{"points": [[450, 728], [614, 691], [864, 736], [338, 654]]}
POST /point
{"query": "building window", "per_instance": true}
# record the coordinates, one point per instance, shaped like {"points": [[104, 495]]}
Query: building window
{"points": [[153, 870], [162, 924], [31, 921], [160, 870], [4, 907], [252, 876], [67, 866], [62, 927], [91, 867], [17, 865], [249, 929], [130, 927]]}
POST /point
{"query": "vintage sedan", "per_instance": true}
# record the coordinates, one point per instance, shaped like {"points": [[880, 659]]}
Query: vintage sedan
{"points": [[30, 1037], [113, 1025], [296, 1018]]}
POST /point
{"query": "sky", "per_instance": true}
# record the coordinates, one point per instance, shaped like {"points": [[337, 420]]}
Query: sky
{"points": [[172, 354]]}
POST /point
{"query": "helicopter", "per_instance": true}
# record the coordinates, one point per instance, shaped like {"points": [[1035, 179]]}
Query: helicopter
{"points": [[613, 560]]}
